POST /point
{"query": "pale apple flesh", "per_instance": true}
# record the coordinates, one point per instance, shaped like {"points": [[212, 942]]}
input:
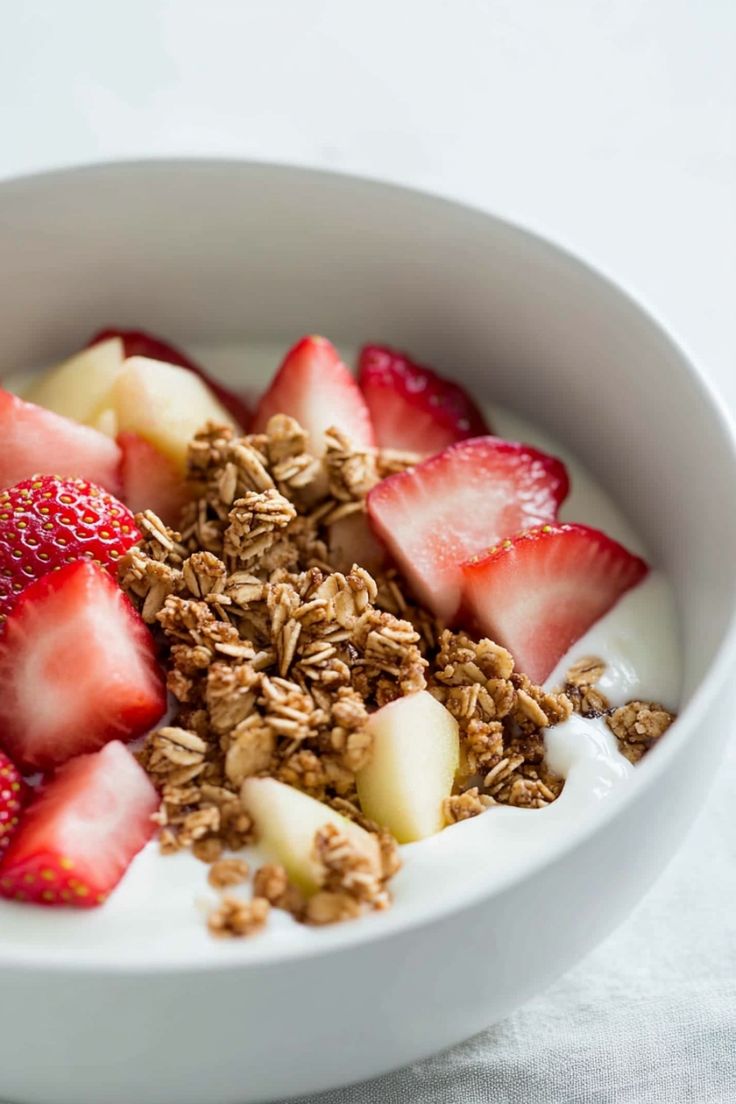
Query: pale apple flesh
{"points": [[286, 822], [414, 760], [165, 405], [80, 387]]}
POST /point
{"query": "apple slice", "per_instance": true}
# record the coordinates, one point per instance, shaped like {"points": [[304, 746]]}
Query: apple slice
{"points": [[142, 343], [416, 754], [287, 821], [80, 387], [164, 404]]}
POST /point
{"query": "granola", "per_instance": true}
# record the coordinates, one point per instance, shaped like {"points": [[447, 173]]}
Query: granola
{"points": [[637, 726], [275, 660], [581, 688], [236, 917], [227, 872]]}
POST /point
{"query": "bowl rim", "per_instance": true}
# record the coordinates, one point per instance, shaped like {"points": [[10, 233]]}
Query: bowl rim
{"points": [[378, 927]]}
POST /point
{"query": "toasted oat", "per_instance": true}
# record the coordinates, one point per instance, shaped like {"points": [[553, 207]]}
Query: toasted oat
{"points": [[204, 576], [350, 884], [530, 709], [351, 471], [254, 524], [529, 789], [174, 755], [250, 750], [271, 881], [501, 716], [391, 461], [276, 660], [332, 907], [581, 688], [390, 855], [208, 849], [227, 872], [346, 868], [586, 671], [536, 705], [637, 726], [235, 918], [588, 701], [465, 805]]}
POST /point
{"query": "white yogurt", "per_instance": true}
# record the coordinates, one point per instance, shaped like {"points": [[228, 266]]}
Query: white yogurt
{"points": [[156, 914]]}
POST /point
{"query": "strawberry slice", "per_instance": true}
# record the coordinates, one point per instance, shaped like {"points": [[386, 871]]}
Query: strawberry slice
{"points": [[140, 343], [538, 594], [315, 387], [449, 508], [151, 481], [36, 440], [77, 669], [13, 796], [46, 522], [81, 832], [412, 407]]}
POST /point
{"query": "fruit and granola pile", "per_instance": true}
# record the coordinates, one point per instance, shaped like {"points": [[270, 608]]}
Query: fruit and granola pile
{"points": [[326, 624]]}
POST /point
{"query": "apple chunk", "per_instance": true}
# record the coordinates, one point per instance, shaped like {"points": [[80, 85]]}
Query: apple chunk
{"points": [[80, 387], [416, 753], [164, 404], [287, 821]]}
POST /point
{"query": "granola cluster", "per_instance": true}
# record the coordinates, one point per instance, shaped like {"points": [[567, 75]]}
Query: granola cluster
{"points": [[636, 725], [502, 717], [351, 883], [278, 647]]}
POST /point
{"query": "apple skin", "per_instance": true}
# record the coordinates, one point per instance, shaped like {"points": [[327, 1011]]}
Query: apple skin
{"points": [[415, 757], [287, 821]]}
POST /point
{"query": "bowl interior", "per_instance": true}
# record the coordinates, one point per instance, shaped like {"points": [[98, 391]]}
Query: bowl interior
{"points": [[217, 251], [214, 253]]}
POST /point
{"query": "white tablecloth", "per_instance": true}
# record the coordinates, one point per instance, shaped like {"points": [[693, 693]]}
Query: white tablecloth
{"points": [[607, 126], [647, 1018]]}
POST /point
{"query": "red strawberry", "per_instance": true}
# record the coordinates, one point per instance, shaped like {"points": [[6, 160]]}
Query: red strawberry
{"points": [[538, 594], [315, 387], [81, 831], [449, 508], [13, 796], [413, 408], [77, 669], [140, 343], [36, 440], [46, 522], [150, 480]]}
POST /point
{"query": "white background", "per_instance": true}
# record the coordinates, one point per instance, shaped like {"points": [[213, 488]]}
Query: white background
{"points": [[608, 125]]}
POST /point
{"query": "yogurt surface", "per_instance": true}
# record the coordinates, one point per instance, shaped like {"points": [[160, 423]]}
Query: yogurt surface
{"points": [[156, 915]]}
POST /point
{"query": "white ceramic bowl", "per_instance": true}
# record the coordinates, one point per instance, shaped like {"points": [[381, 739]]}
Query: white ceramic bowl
{"points": [[209, 251]]}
